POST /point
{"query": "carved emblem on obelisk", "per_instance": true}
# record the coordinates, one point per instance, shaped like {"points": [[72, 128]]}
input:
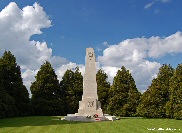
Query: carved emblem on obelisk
{"points": [[90, 54]]}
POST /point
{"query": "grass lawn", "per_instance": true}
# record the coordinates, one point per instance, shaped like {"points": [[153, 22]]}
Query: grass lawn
{"points": [[51, 124]]}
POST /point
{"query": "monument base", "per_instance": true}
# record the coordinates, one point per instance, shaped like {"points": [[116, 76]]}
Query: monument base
{"points": [[85, 119], [86, 112], [74, 117], [90, 106]]}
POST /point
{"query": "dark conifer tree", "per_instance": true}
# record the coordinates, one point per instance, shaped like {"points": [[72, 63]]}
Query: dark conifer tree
{"points": [[72, 89], [129, 109], [124, 95], [103, 87], [78, 88], [153, 101], [174, 105], [46, 92], [15, 98]]}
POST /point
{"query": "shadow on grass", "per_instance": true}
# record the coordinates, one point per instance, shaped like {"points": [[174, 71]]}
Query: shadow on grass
{"points": [[145, 118], [35, 121], [133, 118]]}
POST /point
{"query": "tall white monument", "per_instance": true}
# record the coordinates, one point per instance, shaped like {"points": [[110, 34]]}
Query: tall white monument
{"points": [[90, 104]]}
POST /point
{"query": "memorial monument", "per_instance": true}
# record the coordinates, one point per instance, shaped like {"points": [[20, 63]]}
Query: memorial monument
{"points": [[89, 107], [90, 104]]}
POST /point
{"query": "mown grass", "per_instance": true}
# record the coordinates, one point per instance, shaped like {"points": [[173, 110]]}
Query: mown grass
{"points": [[51, 124]]}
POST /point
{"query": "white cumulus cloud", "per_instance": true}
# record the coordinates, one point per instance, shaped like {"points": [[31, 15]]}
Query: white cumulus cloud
{"points": [[16, 27], [167, 45], [134, 54]]}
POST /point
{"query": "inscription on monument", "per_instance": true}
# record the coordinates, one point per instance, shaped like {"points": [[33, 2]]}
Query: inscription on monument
{"points": [[90, 103]]}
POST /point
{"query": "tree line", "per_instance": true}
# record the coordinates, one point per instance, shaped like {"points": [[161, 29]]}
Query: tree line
{"points": [[162, 99]]}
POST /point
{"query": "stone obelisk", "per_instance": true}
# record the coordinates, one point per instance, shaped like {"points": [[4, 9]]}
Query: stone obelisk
{"points": [[90, 104]]}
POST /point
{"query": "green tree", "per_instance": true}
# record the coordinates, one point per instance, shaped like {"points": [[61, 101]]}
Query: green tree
{"points": [[174, 105], [7, 104], [153, 101], [46, 92], [14, 95], [78, 88], [103, 87], [72, 89], [133, 99], [124, 95]]}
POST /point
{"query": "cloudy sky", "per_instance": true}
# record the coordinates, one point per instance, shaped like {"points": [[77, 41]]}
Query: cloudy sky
{"points": [[140, 35]]}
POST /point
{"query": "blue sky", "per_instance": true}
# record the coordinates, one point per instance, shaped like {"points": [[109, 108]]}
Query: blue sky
{"points": [[136, 34]]}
